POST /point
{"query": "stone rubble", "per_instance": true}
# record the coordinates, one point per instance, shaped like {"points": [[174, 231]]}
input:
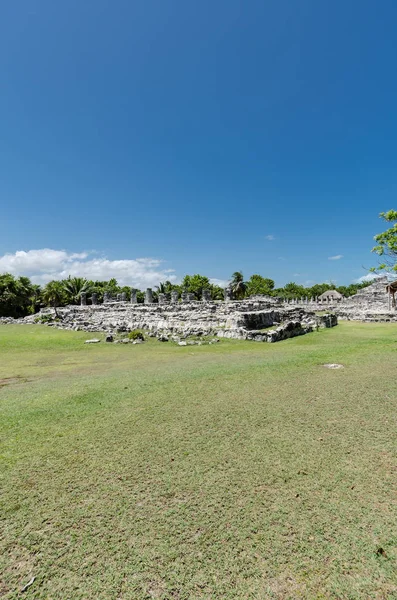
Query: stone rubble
{"points": [[259, 319]]}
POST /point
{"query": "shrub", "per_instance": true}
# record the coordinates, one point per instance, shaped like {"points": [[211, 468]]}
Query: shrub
{"points": [[46, 319], [136, 335]]}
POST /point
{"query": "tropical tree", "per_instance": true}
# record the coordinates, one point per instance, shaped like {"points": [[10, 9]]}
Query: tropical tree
{"points": [[166, 287], [387, 243], [294, 290], [238, 285], [195, 284], [74, 287], [217, 292], [54, 295], [258, 285], [16, 296]]}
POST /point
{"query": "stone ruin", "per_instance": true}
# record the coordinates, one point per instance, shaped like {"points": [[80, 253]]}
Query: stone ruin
{"points": [[260, 318], [264, 320]]}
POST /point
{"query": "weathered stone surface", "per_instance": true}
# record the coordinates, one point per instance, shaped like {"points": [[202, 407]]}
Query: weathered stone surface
{"points": [[174, 296], [94, 298], [178, 321], [134, 298], [148, 296], [83, 298], [123, 296]]}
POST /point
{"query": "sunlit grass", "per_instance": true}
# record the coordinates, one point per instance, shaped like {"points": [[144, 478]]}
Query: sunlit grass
{"points": [[236, 470]]}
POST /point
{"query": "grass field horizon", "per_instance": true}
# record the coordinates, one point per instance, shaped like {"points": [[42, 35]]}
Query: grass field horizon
{"points": [[236, 470]]}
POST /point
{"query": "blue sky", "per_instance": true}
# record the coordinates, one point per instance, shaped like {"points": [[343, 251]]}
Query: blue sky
{"points": [[186, 133]]}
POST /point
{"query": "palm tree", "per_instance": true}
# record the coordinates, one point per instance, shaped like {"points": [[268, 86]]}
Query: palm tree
{"points": [[238, 285], [53, 294], [74, 287]]}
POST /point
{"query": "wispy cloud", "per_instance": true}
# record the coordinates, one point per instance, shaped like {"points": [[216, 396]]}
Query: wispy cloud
{"points": [[369, 277], [270, 237], [46, 264], [221, 282], [336, 257]]}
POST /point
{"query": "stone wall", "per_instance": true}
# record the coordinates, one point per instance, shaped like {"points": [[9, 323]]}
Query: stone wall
{"points": [[248, 319]]}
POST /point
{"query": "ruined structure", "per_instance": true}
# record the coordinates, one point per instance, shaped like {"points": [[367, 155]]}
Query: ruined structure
{"points": [[260, 320], [373, 303]]}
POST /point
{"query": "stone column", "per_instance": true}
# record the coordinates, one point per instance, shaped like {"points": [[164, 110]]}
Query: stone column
{"points": [[105, 297], [228, 294], [174, 296], [83, 299], [124, 296], [191, 297], [185, 297], [118, 297], [134, 298], [149, 296], [206, 297], [94, 298], [162, 299]]}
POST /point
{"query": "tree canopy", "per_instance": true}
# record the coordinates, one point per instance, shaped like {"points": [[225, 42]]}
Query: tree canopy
{"points": [[386, 246]]}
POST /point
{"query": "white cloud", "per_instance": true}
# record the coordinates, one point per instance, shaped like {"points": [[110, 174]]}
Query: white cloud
{"points": [[336, 257], [221, 282], [46, 264], [369, 277], [296, 274], [270, 237]]}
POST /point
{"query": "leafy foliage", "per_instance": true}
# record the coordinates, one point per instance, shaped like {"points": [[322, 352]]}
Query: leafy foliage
{"points": [[259, 285], [387, 243], [17, 296], [136, 335], [54, 294], [74, 287], [238, 285]]}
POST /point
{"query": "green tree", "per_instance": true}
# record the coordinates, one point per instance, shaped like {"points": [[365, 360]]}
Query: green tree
{"points": [[217, 292], [54, 295], [238, 285], [195, 284], [386, 246], [294, 290], [16, 296], [74, 287], [258, 285]]}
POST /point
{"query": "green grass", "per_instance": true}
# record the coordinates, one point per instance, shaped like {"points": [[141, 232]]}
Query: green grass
{"points": [[235, 470]]}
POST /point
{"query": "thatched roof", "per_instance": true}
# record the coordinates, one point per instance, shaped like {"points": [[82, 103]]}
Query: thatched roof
{"points": [[332, 295]]}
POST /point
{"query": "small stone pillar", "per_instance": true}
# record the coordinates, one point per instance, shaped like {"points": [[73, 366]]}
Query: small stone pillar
{"points": [[162, 298], [185, 297], [94, 298], [83, 299], [134, 298], [105, 297], [118, 297], [174, 296], [228, 294], [206, 296], [191, 297], [149, 296], [123, 296]]}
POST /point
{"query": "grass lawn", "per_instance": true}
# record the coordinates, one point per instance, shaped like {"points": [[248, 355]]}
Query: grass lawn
{"points": [[238, 470]]}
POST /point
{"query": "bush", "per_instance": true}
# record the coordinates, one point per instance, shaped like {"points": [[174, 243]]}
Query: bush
{"points": [[46, 319], [136, 335]]}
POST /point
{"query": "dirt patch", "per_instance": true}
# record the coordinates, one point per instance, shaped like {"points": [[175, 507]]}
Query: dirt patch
{"points": [[12, 380]]}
